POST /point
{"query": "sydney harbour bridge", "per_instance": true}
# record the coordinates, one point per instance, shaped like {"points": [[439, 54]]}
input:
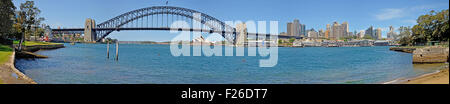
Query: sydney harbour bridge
{"points": [[160, 18]]}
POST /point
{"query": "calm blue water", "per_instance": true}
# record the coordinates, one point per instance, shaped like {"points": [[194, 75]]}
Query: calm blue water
{"points": [[154, 64]]}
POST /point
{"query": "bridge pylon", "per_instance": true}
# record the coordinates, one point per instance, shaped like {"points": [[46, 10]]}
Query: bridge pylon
{"points": [[241, 36], [90, 34]]}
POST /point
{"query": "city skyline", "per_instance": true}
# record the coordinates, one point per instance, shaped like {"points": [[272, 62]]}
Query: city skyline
{"points": [[314, 14]]}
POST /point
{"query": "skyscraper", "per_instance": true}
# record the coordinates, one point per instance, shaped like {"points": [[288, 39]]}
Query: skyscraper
{"points": [[290, 29], [297, 27], [327, 31], [391, 34], [378, 34], [303, 29], [294, 28], [344, 31], [337, 30], [370, 32]]}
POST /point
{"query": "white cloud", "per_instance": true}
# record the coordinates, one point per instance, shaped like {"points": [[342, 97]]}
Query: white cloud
{"points": [[391, 13], [394, 13], [410, 21]]}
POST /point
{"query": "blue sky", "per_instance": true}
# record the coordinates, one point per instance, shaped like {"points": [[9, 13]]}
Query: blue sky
{"points": [[314, 13]]}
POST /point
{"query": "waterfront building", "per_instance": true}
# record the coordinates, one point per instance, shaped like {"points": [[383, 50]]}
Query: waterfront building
{"points": [[321, 33], [312, 34], [381, 43], [48, 36], [283, 34]]}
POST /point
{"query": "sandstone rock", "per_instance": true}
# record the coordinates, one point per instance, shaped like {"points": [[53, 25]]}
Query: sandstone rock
{"points": [[431, 55]]}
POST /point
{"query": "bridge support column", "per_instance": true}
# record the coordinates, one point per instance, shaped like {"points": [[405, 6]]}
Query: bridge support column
{"points": [[241, 35], [89, 33]]}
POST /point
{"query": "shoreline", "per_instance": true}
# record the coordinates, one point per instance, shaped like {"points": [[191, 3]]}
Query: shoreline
{"points": [[18, 72], [438, 77], [412, 80], [12, 75]]}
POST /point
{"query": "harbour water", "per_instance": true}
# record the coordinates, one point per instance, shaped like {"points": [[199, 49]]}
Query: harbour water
{"points": [[154, 64]]}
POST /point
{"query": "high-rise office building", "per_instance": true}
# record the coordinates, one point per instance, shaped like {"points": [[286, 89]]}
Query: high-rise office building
{"points": [[338, 31], [290, 29], [391, 34], [295, 28], [327, 31], [303, 29], [335, 30], [370, 32], [344, 27], [378, 34]]}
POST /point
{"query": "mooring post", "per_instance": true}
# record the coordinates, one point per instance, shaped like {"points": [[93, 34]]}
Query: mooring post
{"points": [[117, 50], [107, 50]]}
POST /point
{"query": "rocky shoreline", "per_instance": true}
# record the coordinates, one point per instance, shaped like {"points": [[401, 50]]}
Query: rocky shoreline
{"points": [[403, 49], [35, 48], [426, 55]]}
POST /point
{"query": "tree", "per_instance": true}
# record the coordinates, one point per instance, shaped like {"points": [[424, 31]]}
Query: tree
{"points": [[26, 18], [432, 27], [280, 41], [368, 37], [405, 36], [6, 15], [291, 40]]}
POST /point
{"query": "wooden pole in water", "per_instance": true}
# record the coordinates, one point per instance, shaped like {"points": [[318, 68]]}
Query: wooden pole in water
{"points": [[107, 50], [117, 50]]}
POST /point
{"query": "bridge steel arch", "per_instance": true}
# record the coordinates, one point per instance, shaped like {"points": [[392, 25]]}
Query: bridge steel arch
{"points": [[122, 20]]}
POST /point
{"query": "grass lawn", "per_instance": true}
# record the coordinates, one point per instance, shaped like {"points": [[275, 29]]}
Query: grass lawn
{"points": [[5, 53], [31, 43]]}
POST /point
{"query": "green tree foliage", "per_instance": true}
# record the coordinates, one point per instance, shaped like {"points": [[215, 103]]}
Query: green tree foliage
{"points": [[291, 40], [6, 14], [432, 27], [368, 37], [27, 18], [405, 36], [280, 41], [30, 13]]}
